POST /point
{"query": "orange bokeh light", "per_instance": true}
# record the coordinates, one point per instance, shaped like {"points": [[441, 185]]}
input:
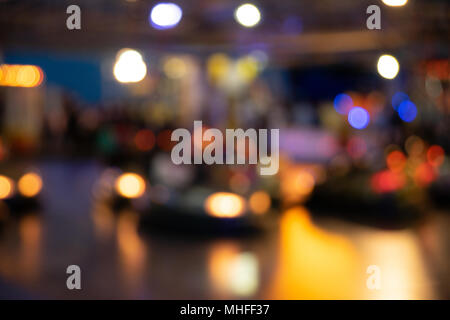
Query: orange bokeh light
{"points": [[424, 174], [259, 202], [225, 205], [6, 187], [30, 184], [26, 76], [396, 161]]}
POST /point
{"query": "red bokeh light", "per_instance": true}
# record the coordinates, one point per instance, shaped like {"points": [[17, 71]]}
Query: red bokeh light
{"points": [[144, 140], [387, 181], [435, 155]]}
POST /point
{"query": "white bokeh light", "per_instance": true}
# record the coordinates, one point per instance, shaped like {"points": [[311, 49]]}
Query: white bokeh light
{"points": [[129, 66], [395, 3], [165, 15], [247, 15], [388, 66]]}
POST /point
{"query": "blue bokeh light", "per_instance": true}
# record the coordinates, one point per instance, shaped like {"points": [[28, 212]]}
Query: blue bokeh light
{"points": [[358, 117], [407, 111], [398, 98], [165, 15], [342, 103]]}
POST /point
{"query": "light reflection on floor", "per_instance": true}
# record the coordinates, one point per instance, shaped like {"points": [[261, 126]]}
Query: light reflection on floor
{"points": [[304, 259], [403, 273], [313, 263]]}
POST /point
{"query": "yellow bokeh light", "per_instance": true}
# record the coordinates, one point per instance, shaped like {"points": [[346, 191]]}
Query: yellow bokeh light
{"points": [[6, 187], [130, 185], [30, 184], [218, 65], [395, 3], [224, 205], [388, 66], [10, 75], [259, 202], [29, 76], [175, 68], [247, 68]]}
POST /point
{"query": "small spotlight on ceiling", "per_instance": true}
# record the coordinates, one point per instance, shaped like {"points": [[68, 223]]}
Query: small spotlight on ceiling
{"points": [[165, 15], [247, 15], [395, 3], [388, 66]]}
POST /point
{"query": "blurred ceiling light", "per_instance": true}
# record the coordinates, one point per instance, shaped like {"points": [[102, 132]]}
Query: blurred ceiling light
{"points": [[6, 187], [26, 76], [358, 118], [30, 184], [388, 66], [165, 15], [259, 202], [130, 185], [129, 66], [395, 3], [247, 15], [224, 205]]}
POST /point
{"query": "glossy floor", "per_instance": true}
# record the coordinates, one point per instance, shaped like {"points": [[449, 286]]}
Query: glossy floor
{"points": [[301, 258]]}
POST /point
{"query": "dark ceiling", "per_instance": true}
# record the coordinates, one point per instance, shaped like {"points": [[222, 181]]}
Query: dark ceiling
{"points": [[289, 27]]}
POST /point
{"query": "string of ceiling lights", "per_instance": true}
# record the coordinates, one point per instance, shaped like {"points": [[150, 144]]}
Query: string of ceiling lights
{"points": [[167, 15], [130, 66]]}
